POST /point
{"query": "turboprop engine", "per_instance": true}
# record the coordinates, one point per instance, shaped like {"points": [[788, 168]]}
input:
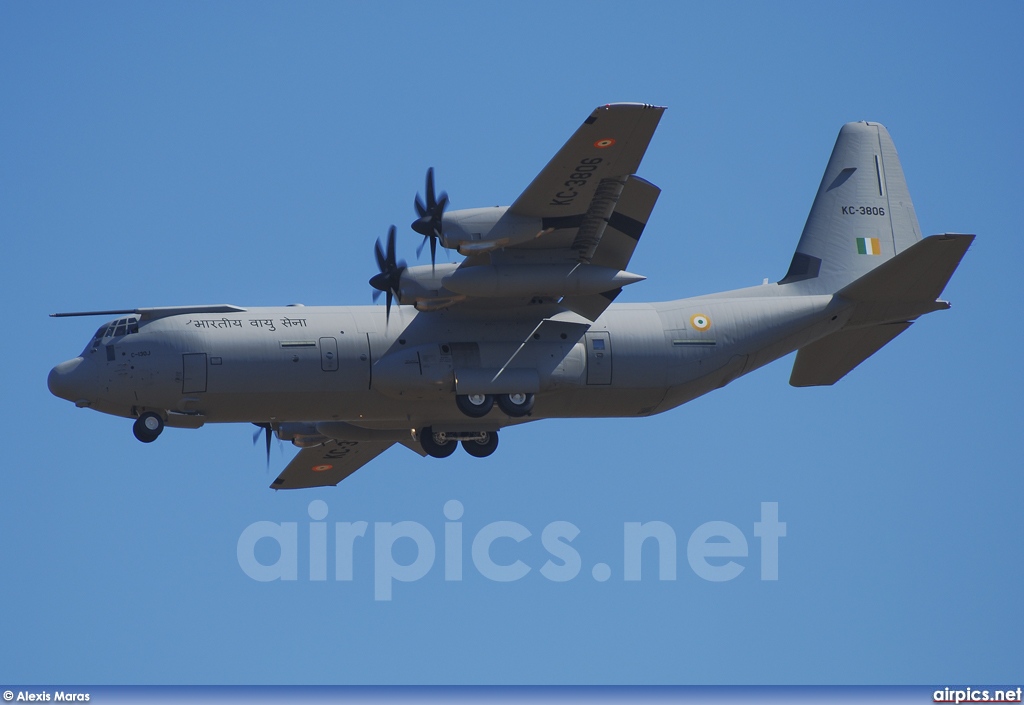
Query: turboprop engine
{"points": [[477, 230], [537, 280], [430, 288]]}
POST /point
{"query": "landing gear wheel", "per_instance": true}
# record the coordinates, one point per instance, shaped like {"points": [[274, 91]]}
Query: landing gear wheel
{"points": [[483, 448], [515, 404], [148, 427], [474, 405], [436, 445]]}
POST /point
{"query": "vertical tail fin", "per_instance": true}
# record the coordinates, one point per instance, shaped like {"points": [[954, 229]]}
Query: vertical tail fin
{"points": [[861, 217]]}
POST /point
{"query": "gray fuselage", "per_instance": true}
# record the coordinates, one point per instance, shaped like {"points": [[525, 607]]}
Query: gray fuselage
{"points": [[296, 363]]}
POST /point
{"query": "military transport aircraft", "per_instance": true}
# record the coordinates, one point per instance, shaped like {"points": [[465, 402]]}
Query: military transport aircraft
{"points": [[524, 328]]}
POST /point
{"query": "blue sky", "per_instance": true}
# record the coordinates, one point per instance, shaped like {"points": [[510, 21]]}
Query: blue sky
{"points": [[250, 153]]}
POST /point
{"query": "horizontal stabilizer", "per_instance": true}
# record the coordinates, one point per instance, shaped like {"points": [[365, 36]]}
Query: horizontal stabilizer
{"points": [[907, 285], [886, 300], [831, 358], [919, 273]]}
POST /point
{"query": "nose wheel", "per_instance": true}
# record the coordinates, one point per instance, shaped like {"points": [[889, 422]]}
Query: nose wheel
{"points": [[148, 427]]}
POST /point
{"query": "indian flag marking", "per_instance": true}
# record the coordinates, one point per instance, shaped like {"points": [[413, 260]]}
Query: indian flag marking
{"points": [[869, 246]]}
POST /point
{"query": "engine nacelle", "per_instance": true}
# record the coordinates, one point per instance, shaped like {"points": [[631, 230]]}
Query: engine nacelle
{"points": [[302, 435], [537, 280], [478, 230], [424, 282]]}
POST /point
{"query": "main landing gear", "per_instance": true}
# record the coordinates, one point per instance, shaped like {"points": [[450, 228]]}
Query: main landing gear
{"points": [[148, 427], [441, 444], [516, 404], [476, 406]]}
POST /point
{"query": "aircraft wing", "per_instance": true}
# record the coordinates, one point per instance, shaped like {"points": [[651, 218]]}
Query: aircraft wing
{"points": [[329, 464], [565, 243], [608, 145], [606, 240]]}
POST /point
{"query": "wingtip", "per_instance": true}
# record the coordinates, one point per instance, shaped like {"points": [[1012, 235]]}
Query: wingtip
{"points": [[631, 106]]}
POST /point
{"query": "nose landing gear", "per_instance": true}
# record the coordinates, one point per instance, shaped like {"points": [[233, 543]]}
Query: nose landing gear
{"points": [[148, 427]]}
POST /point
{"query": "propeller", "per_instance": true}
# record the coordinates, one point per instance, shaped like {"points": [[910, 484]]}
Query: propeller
{"points": [[390, 276], [429, 222], [263, 427]]}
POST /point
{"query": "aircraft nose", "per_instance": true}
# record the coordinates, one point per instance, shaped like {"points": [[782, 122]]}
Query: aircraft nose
{"points": [[63, 380]]}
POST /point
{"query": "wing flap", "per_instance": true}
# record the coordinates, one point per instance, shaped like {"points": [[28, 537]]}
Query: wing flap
{"points": [[627, 223], [329, 464], [590, 306]]}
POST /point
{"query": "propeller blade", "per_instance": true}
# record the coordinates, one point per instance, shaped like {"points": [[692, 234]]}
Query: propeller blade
{"points": [[389, 279], [430, 216], [267, 429], [430, 189]]}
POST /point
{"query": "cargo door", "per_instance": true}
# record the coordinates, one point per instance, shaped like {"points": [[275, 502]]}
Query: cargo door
{"points": [[193, 378]]}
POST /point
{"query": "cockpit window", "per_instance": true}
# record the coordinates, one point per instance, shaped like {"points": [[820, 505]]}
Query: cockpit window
{"points": [[114, 329], [118, 328]]}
